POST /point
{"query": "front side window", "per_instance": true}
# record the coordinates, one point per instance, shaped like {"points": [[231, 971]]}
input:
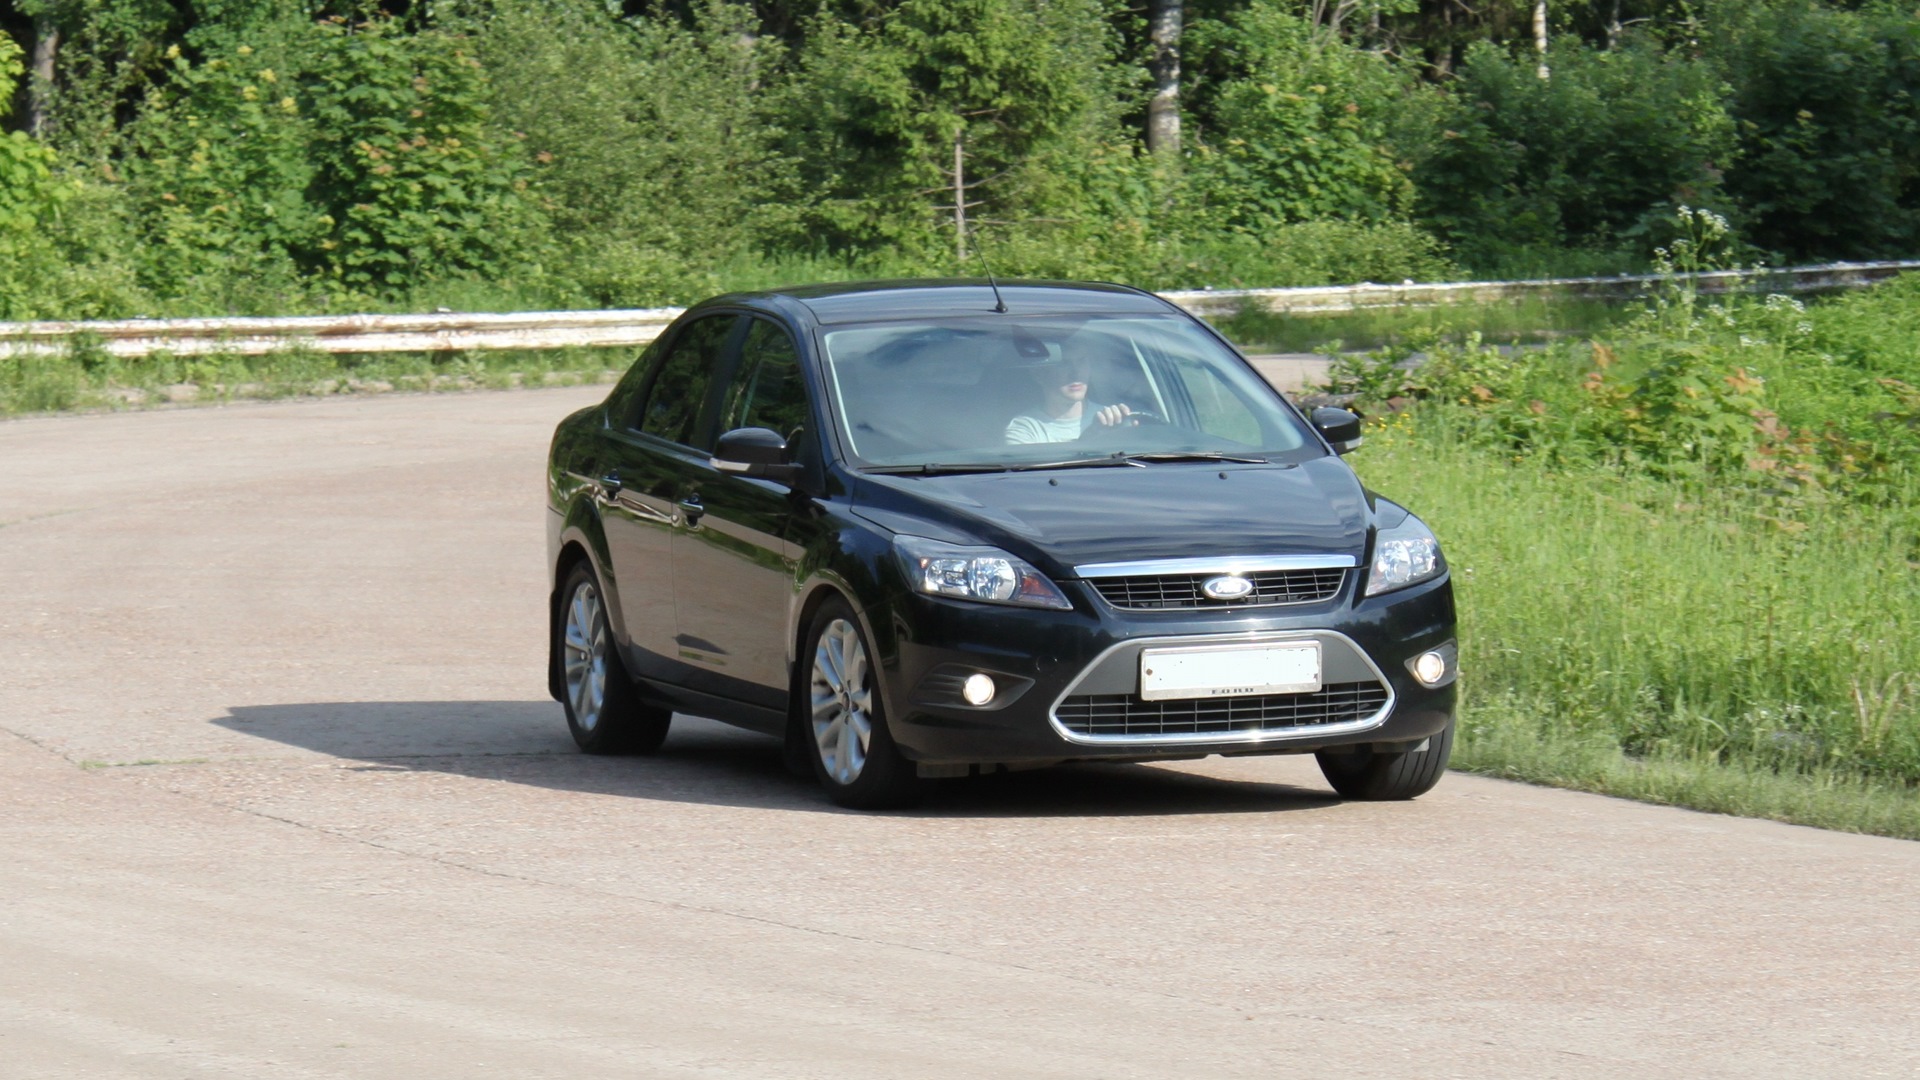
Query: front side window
{"points": [[679, 393], [767, 390], [1011, 390]]}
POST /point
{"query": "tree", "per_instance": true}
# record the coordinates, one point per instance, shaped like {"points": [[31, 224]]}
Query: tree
{"points": [[648, 147], [1828, 124], [47, 16], [29, 194], [1592, 159], [1297, 121], [872, 115], [1163, 111]]}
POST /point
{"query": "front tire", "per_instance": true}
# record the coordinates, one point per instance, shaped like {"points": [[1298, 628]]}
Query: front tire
{"points": [[843, 722], [1372, 776], [604, 712]]}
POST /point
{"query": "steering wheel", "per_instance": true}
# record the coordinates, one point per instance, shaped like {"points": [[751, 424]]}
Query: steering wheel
{"points": [[1136, 419]]}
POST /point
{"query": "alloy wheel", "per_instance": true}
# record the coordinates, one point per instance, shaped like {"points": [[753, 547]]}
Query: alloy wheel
{"points": [[841, 702], [584, 656]]}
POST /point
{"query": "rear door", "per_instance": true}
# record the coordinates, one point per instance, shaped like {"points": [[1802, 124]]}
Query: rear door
{"points": [[649, 464]]}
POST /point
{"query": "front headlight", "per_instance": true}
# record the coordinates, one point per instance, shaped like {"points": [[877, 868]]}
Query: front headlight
{"points": [[975, 573], [1405, 554]]}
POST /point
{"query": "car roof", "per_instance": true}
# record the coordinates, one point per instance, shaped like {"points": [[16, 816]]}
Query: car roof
{"points": [[880, 301]]}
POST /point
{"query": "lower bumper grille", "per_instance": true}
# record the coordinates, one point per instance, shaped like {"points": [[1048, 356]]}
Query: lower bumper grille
{"points": [[1127, 714]]}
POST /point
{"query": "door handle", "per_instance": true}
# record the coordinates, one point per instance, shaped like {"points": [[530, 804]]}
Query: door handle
{"points": [[692, 507], [610, 483]]}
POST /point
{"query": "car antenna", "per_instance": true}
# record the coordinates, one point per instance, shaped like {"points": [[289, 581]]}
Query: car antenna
{"points": [[999, 304]]}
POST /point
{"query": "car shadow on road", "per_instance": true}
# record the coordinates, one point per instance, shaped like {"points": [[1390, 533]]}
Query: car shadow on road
{"points": [[703, 761]]}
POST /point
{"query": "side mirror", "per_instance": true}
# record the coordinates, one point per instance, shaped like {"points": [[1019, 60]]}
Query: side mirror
{"points": [[755, 452], [1339, 427]]}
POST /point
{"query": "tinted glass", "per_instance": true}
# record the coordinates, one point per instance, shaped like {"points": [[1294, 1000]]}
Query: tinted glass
{"points": [[1000, 390], [767, 390], [674, 404]]}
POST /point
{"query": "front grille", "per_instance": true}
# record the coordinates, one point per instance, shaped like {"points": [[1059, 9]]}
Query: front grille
{"points": [[1126, 714], [1162, 592]]}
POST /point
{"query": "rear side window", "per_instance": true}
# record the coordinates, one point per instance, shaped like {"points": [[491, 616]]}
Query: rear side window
{"points": [[686, 374], [767, 391]]}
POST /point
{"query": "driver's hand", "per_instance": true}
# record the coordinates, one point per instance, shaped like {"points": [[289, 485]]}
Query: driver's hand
{"points": [[1112, 414]]}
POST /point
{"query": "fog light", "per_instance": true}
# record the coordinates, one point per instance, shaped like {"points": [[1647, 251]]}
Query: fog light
{"points": [[1430, 667], [978, 689]]}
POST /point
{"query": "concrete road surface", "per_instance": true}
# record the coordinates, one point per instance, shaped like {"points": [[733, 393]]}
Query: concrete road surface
{"points": [[1293, 372], [281, 795]]}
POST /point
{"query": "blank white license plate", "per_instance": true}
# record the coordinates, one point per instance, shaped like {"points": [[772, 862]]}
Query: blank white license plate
{"points": [[1207, 671]]}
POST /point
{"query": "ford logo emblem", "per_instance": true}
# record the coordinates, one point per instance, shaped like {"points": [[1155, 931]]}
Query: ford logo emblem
{"points": [[1226, 588]]}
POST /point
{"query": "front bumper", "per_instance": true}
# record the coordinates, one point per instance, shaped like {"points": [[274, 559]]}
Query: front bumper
{"points": [[1067, 680]]}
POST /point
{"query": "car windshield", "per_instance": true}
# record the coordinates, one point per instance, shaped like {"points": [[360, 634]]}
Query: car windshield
{"points": [[1001, 391]]}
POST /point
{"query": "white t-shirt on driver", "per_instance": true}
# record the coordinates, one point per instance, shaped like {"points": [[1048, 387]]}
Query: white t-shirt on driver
{"points": [[1034, 429]]}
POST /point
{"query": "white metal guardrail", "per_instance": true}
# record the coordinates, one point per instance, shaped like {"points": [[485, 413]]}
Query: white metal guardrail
{"points": [[444, 332], [452, 332], [1320, 300]]}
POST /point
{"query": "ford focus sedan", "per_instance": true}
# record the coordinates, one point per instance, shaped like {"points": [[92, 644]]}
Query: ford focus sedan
{"points": [[927, 529]]}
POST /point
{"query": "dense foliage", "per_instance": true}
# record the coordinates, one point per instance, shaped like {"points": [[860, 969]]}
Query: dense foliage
{"points": [[211, 156], [1807, 407]]}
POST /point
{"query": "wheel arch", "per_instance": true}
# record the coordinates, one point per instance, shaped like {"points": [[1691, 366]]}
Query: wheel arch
{"points": [[573, 552], [814, 594]]}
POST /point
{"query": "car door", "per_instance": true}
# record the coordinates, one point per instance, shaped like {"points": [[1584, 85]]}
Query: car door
{"points": [[734, 562], [648, 465]]}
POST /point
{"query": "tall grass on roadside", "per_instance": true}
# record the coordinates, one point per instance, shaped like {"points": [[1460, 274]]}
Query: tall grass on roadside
{"points": [[1675, 641]]}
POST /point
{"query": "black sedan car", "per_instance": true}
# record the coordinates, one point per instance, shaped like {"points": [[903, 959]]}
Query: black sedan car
{"points": [[926, 529]]}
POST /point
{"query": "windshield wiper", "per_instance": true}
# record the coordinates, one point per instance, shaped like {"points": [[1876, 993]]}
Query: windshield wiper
{"points": [[1079, 462], [937, 468], [933, 468], [1195, 455], [1118, 457]]}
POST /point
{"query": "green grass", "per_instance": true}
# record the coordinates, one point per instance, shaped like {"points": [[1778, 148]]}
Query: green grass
{"points": [[1674, 642], [1522, 321], [1510, 739]]}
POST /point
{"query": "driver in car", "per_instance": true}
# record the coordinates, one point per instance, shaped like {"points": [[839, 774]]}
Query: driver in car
{"points": [[1066, 414]]}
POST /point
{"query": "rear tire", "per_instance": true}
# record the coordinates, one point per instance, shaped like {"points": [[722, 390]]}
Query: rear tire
{"points": [[843, 722], [1369, 775], [604, 712]]}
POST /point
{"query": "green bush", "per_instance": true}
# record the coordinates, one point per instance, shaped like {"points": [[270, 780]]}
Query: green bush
{"points": [[29, 195], [1593, 158], [1829, 129], [872, 110], [1297, 124], [647, 150], [355, 154], [1804, 404]]}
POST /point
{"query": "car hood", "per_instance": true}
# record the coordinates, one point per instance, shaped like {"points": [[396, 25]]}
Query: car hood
{"points": [[1058, 519]]}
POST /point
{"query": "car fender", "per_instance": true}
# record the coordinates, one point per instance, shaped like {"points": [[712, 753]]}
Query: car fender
{"points": [[579, 526], [856, 563]]}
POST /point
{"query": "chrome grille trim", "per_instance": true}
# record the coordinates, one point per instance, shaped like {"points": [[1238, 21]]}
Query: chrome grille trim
{"points": [[1209, 564], [1227, 738]]}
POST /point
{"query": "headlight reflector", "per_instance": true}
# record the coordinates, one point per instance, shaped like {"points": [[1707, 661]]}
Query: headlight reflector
{"points": [[1403, 555], [975, 573]]}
